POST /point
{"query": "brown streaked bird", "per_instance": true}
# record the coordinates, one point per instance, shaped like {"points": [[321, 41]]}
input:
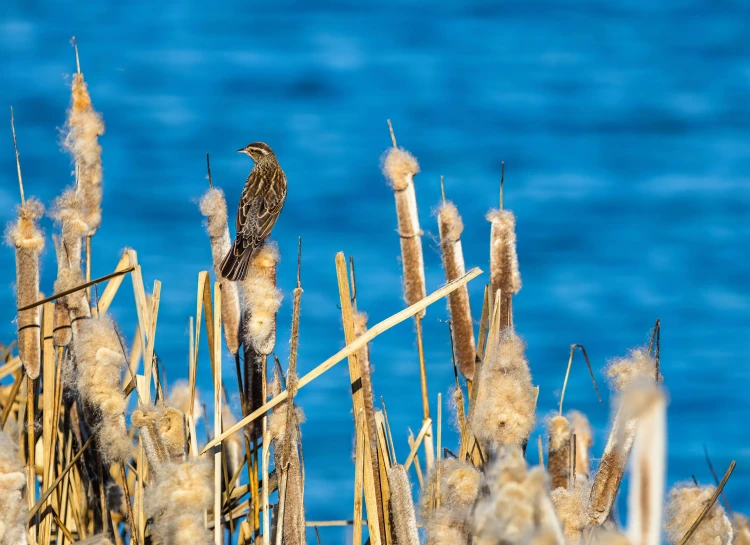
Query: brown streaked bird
{"points": [[260, 205]]}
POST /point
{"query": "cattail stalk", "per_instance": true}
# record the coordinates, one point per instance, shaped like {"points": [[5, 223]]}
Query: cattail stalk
{"points": [[214, 207], [400, 167], [28, 240], [462, 325], [558, 458], [505, 277]]}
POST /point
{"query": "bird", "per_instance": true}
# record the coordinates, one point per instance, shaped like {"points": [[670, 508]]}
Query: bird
{"points": [[260, 205]]}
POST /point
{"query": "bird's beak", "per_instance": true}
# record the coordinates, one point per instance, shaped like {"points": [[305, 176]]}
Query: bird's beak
{"points": [[241, 150]]}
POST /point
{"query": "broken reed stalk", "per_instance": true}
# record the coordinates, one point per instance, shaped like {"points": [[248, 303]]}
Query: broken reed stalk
{"points": [[462, 329], [350, 348], [362, 401], [213, 206]]}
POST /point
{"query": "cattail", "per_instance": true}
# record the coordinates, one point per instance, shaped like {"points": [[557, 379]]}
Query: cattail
{"points": [[13, 505], [214, 207], [284, 430], [76, 302], [462, 325], [505, 398], [101, 361], [232, 444], [181, 495], [84, 127], [584, 440], [163, 432], [61, 327], [179, 398], [504, 273], [741, 526], [261, 300], [571, 507], [28, 239], [400, 167], [402, 507], [623, 373], [69, 213], [684, 504], [518, 506], [558, 459], [647, 405], [455, 495]]}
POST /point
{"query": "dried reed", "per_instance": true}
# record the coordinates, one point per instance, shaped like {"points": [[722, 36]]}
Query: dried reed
{"points": [[462, 325], [28, 240]]}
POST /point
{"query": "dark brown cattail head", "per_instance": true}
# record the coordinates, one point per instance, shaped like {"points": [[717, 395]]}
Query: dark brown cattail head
{"points": [[28, 240], [462, 325], [61, 325], [558, 464]]}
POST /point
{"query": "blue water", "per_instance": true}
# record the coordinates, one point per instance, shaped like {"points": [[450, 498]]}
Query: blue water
{"points": [[624, 129]]}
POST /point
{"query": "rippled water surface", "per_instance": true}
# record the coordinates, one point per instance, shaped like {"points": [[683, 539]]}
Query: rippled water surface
{"points": [[624, 129]]}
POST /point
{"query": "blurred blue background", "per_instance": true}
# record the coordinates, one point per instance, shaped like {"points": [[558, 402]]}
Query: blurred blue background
{"points": [[624, 130]]}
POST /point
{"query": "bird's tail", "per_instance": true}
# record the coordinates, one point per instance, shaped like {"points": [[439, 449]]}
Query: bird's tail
{"points": [[234, 267]]}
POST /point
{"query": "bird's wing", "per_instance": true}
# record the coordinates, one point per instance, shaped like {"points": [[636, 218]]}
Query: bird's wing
{"points": [[260, 207]]}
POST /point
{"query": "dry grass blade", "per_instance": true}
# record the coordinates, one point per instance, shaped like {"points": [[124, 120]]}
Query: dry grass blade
{"points": [[567, 374]]}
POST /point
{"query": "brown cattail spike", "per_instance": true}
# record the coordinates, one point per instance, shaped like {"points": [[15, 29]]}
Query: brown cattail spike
{"points": [[558, 461], [504, 272], [451, 227], [402, 507], [260, 300], [61, 325], [28, 240]]}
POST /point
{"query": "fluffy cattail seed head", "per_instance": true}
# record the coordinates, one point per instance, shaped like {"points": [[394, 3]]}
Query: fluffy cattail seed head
{"points": [[214, 207], [28, 240], [684, 503], [261, 300], [84, 126]]}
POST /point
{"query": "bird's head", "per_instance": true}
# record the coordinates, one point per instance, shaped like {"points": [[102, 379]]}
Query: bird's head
{"points": [[257, 150]]}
